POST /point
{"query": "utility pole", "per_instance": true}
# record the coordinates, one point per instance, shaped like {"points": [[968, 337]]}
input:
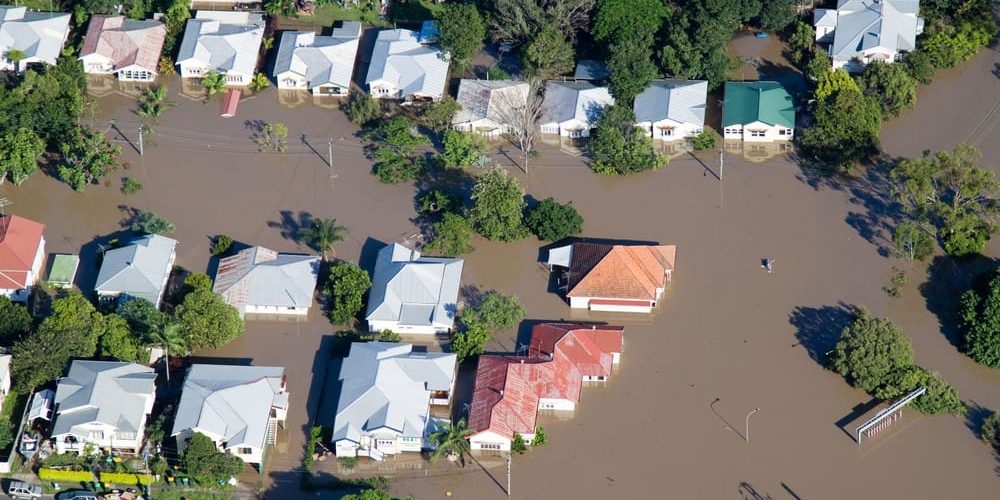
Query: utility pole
{"points": [[508, 474], [722, 163], [329, 153], [140, 140], [755, 410]]}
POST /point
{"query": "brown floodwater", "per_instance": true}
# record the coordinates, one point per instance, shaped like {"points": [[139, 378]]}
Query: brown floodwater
{"points": [[729, 337]]}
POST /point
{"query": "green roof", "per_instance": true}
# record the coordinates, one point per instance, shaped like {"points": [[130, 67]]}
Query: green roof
{"points": [[63, 269], [766, 102]]}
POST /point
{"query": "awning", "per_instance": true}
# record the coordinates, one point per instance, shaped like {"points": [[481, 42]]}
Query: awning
{"points": [[230, 103], [560, 256]]}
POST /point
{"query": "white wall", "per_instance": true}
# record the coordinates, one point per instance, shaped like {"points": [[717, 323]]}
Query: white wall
{"points": [[97, 64], [772, 133], [383, 90], [290, 80], [291, 311], [680, 130], [557, 404], [484, 440], [255, 456], [584, 303], [375, 326]]}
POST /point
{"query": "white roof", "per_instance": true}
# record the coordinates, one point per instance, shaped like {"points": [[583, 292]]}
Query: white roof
{"points": [[321, 60], [226, 41], [388, 385], [488, 99], [139, 269], [560, 256], [414, 290], [682, 101], [109, 392], [567, 101], [40, 35], [41, 405], [258, 276], [868, 24], [400, 59], [5, 370], [231, 402]]}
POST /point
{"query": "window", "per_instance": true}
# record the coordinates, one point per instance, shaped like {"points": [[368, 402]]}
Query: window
{"points": [[384, 442], [243, 450], [490, 446], [785, 131], [758, 133], [733, 131], [96, 435]]}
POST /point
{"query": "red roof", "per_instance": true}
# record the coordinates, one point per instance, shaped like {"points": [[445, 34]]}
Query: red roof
{"points": [[230, 103], [19, 242], [502, 401], [137, 44], [619, 271], [588, 347]]}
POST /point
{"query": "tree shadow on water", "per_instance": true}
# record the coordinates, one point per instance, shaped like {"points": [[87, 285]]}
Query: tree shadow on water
{"points": [[748, 492], [290, 223], [947, 279], [818, 328]]}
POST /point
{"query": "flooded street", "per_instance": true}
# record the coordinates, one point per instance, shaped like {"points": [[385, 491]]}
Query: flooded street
{"points": [[728, 338]]}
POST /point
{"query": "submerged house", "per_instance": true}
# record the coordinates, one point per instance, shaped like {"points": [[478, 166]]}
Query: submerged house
{"points": [[22, 255], [140, 269], [403, 68], [36, 37], [413, 294], [571, 109], [225, 42], [672, 109], [862, 31], [618, 278], [757, 112], [324, 65], [127, 48], [385, 397], [258, 280], [489, 106]]}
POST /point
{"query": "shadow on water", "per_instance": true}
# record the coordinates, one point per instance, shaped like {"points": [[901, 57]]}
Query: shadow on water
{"points": [[947, 279], [857, 412], [290, 223], [975, 418], [818, 328], [748, 492]]}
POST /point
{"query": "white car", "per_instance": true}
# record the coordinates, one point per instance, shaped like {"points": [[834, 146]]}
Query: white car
{"points": [[21, 489]]}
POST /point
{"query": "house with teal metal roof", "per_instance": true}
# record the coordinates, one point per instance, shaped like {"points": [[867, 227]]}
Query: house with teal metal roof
{"points": [[757, 112]]}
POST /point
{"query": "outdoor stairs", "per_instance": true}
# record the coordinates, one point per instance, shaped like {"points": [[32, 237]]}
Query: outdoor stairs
{"points": [[272, 431]]}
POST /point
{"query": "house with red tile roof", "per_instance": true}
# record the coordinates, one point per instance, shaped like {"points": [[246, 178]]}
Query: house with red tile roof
{"points": [[22, 252], [126, 47], [510, 390], [618, 278]]}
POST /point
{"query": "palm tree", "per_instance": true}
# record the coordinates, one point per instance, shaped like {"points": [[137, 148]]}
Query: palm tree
{"points": [[451, 442], [171, 340], [214, 82], [154, 103], [15, 56], [259, 82], [322, 234]]}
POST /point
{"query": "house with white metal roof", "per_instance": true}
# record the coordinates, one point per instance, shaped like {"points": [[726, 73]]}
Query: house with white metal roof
{"points": [[105, 404], [227, 42], [403, 68], [259, 280], [37, 36], [862, 31], [571, 109], [413, 294], [137, 270], [385, 396], [488, 106], [237, 407], [323, 65], [672, 109], [126, 47]]}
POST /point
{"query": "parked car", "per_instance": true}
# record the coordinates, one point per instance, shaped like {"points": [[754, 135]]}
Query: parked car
{"points": [[77, 495], [21, 489]]}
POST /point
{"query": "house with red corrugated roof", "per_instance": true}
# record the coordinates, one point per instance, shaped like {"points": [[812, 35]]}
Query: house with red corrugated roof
{"points": [[22, 252], [128, 48], [618, 278], [510, 390]]}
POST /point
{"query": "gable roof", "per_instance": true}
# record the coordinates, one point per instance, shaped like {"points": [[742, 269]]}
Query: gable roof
{"points": [[125, 42], [503, 401], [589, 347], [232, 402], [488, 99], [321, 60], [40, 35], [258, 276], [619, 271], [138, 269], [109, 392], [766, 102], [413, 289], [682, 101], [388, 385], [400, 59], [565, 101], [19, 242], [226, 41], [867, 24]]}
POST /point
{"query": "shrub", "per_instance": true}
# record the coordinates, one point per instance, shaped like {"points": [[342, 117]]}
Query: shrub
{"points": [[221, 244], [130, 186], [348, 462], [991, 430], [315, 435], [705, 140], [497, 73], [126, 479], [452, 236], [518, 445], [67, 476], [361, 109], [540, 437], [553, 221]]}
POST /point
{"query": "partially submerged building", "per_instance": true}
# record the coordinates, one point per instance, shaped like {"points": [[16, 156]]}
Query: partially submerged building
{"points": [[324, 65], [617, 278], [413, 294], [259, 280]]}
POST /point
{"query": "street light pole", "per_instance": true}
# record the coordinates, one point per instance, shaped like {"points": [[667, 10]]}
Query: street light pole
{"points": [[508, 474], [747, 435]]}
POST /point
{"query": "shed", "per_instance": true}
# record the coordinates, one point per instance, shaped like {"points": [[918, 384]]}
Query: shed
{"points": [[230, 103], [63, 270], [428, 32]]}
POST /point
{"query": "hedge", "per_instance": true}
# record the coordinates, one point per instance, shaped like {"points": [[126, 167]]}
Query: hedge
{"points": [[125, 478], [70, 476]]}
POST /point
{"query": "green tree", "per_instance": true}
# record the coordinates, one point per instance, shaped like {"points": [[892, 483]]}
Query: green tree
{"points": [[776, 15], [553, 221], [15, 321], [844, 131], [15, 56], [273, 137], [834, 82], [951, 192], [195, 282], [369, 494], [19, 153], [171, 338], [695, 35], [118, 341], [818, 65], [142, 316], [361, 109], [621, 19], [452, 236], [213, 82], [632, 69], [462, 149], [990, 432], [498, 205], [393, 148], [461, 32], [891, 85], [520, 20], [918, 65], [221, 245], [518, 444], [155, 103], [913, 241], [949, 44], [705, 140], [628, 27], [71, 331], [144, 221], [7, 434], [438, 115], [176, 16], [451, 441], [130, 186], [869, 350], [801, 42], [495, 311], [980, 313], [207, 320], [259, 82], [540, 437], [618, 148], [207, 465], [321, 234], [549, 54], [345, 290], [87, 158], [471, 341], [280, 7], [437, 201]]}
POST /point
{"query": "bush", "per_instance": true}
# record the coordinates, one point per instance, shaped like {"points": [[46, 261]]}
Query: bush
{"points": [[498, 206], [553, 221], [345, 290], [540, 437], [437, 201], [66, 476], [130, 186], [221, 244], [980, 321], [348, 462], [462, 149], [618, 148], [991, 430], [497, 73], [471, 342], [126, 479], [452, 236], [518, 445], [947, 45], [870, 349], [361, 109], [705, 140], [315, 435], [144, 221]]}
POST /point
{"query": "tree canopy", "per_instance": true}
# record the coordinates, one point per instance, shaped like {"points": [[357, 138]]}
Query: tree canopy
{"points": [[345, 290], [498, 205], [15, 321], [618, 147], [393, 147], [869, 350], [208, 466], [891, 85], [845, 129], [461, 32], [462, 149], [496, 311], [452, 236], [207, 320], [19, 153], [553, 221], [980, 313], [72, 330], [549, 54]]}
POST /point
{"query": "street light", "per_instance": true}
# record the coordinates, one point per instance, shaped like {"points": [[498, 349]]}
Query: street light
{"points": [[747, 435]]}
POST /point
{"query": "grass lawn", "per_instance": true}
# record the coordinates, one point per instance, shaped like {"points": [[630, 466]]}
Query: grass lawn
{"points": [[410, 12], [414, 11]]}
